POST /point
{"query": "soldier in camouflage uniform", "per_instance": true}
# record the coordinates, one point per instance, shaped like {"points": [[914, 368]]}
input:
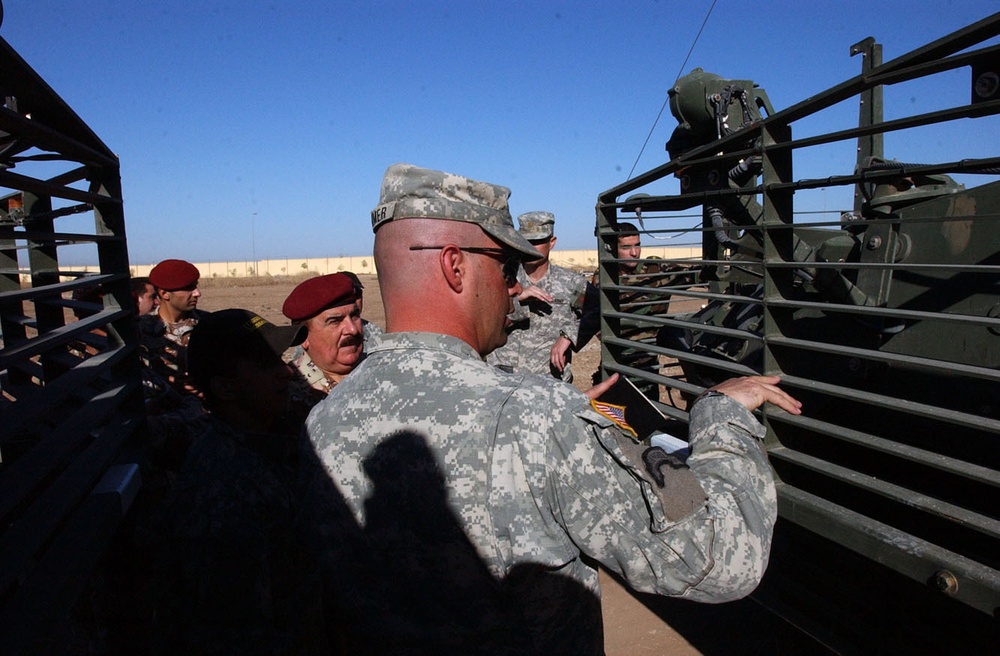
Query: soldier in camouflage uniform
{"points": [[231, 576], [163, 336], [553, 297], [330, 308], [452, 503]]}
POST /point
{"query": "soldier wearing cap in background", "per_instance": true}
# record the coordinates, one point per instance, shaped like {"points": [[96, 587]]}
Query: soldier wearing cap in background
{"points": [[231, 576], [553, 297], [452, 504], [163, 336], [330, 309]]}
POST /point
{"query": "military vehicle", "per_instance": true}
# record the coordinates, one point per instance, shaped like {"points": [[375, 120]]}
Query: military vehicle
{"points": [[70, 391], [883, 317]]}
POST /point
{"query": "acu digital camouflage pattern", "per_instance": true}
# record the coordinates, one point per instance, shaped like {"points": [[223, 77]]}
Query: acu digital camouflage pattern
{"points": [[231, 576], [450, 504], [410, 192], [536, 225], [530, 340]]}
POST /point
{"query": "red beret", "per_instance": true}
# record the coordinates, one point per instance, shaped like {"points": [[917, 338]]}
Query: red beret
{"points": [[317, 294], [171, 275]]}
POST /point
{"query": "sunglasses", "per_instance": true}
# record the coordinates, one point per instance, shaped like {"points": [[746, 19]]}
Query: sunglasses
{"points": [[511, 261]]}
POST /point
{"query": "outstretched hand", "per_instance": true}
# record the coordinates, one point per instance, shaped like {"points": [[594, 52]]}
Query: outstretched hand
{"points": [[754, 391], [602, 387]]}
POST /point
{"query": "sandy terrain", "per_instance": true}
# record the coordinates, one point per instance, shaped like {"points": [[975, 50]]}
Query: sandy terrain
{"points": [[650, 625]]}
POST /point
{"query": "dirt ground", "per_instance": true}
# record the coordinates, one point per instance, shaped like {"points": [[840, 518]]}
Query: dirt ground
{"points": [[633, 623]]}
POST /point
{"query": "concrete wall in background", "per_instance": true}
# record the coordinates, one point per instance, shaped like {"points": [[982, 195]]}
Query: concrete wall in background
{"points": [[582, 260]]}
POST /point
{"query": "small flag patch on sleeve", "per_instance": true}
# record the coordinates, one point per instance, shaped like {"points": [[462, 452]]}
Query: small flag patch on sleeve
{"points": [[615, 413]]}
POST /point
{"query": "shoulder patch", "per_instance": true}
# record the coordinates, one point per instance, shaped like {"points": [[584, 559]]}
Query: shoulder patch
{"points": [[616, 413]]}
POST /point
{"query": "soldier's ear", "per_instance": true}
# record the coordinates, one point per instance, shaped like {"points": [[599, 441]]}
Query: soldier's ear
{"points": [[453, 263]]}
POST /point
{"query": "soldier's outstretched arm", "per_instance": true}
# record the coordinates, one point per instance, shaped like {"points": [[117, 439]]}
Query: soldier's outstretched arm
{"points": [[699, 529], [753, 391]]}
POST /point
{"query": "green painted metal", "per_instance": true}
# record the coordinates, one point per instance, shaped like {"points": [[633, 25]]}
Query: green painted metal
{"points": [[70, 391], [883, 317]]}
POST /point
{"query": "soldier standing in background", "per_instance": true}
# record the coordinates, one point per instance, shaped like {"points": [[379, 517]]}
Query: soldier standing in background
{"points": [[330, 309], [163, 336], [144, 295], [554, 298], [652, 274], [452, 504]]}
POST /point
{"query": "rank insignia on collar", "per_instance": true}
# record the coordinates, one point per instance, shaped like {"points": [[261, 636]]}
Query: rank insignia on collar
{"points": [[615, 413]]}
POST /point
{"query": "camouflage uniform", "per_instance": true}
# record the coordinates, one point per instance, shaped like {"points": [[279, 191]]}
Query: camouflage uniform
{"points": [[530, 342], [451, 502], [163, 349], [232, 578]]}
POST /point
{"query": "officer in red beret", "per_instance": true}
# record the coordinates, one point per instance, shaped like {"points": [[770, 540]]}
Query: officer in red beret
{"points": [[330, 308], [163, 336]]}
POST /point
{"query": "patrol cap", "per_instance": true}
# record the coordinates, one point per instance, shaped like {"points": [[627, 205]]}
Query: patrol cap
{"points": [[171, 275], [410, 192], [311, 297], [534, 226], [221, 338]]}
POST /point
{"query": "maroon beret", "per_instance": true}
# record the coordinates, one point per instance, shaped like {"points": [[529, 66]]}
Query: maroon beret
{"points": [[313, 296], [171, 275]]}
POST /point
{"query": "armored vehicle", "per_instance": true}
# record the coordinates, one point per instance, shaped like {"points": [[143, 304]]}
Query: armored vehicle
{"points": [[882, 316], [70, 391]]}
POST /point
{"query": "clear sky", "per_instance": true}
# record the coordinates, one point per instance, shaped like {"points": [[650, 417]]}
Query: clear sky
{"points": [[264, 128]]}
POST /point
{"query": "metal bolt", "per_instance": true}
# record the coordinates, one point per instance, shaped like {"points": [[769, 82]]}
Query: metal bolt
{"points": [[945, 582], [873, 243]]}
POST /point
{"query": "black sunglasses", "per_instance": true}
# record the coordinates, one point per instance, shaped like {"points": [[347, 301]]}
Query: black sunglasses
{"points": [[511, 261]]}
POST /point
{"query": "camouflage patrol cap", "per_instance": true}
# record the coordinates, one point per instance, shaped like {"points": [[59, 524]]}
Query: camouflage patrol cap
{"points": [[410, 192], [536, 225]]}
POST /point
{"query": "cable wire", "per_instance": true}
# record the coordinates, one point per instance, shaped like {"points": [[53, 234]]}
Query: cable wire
{"points": [[667, 99]]}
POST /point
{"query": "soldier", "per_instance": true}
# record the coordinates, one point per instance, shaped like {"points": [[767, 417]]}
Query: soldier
{"points": [[163, 336], [453, 504], [231, 577], [651, 273], [144, 295], [329, 307], [553, 297]]}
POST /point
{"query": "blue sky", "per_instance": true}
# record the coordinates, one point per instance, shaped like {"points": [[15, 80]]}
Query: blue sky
{"points": [[264, 127]]}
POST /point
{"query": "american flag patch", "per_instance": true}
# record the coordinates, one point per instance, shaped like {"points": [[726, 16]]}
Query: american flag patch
{"points": [[615, 413]]}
